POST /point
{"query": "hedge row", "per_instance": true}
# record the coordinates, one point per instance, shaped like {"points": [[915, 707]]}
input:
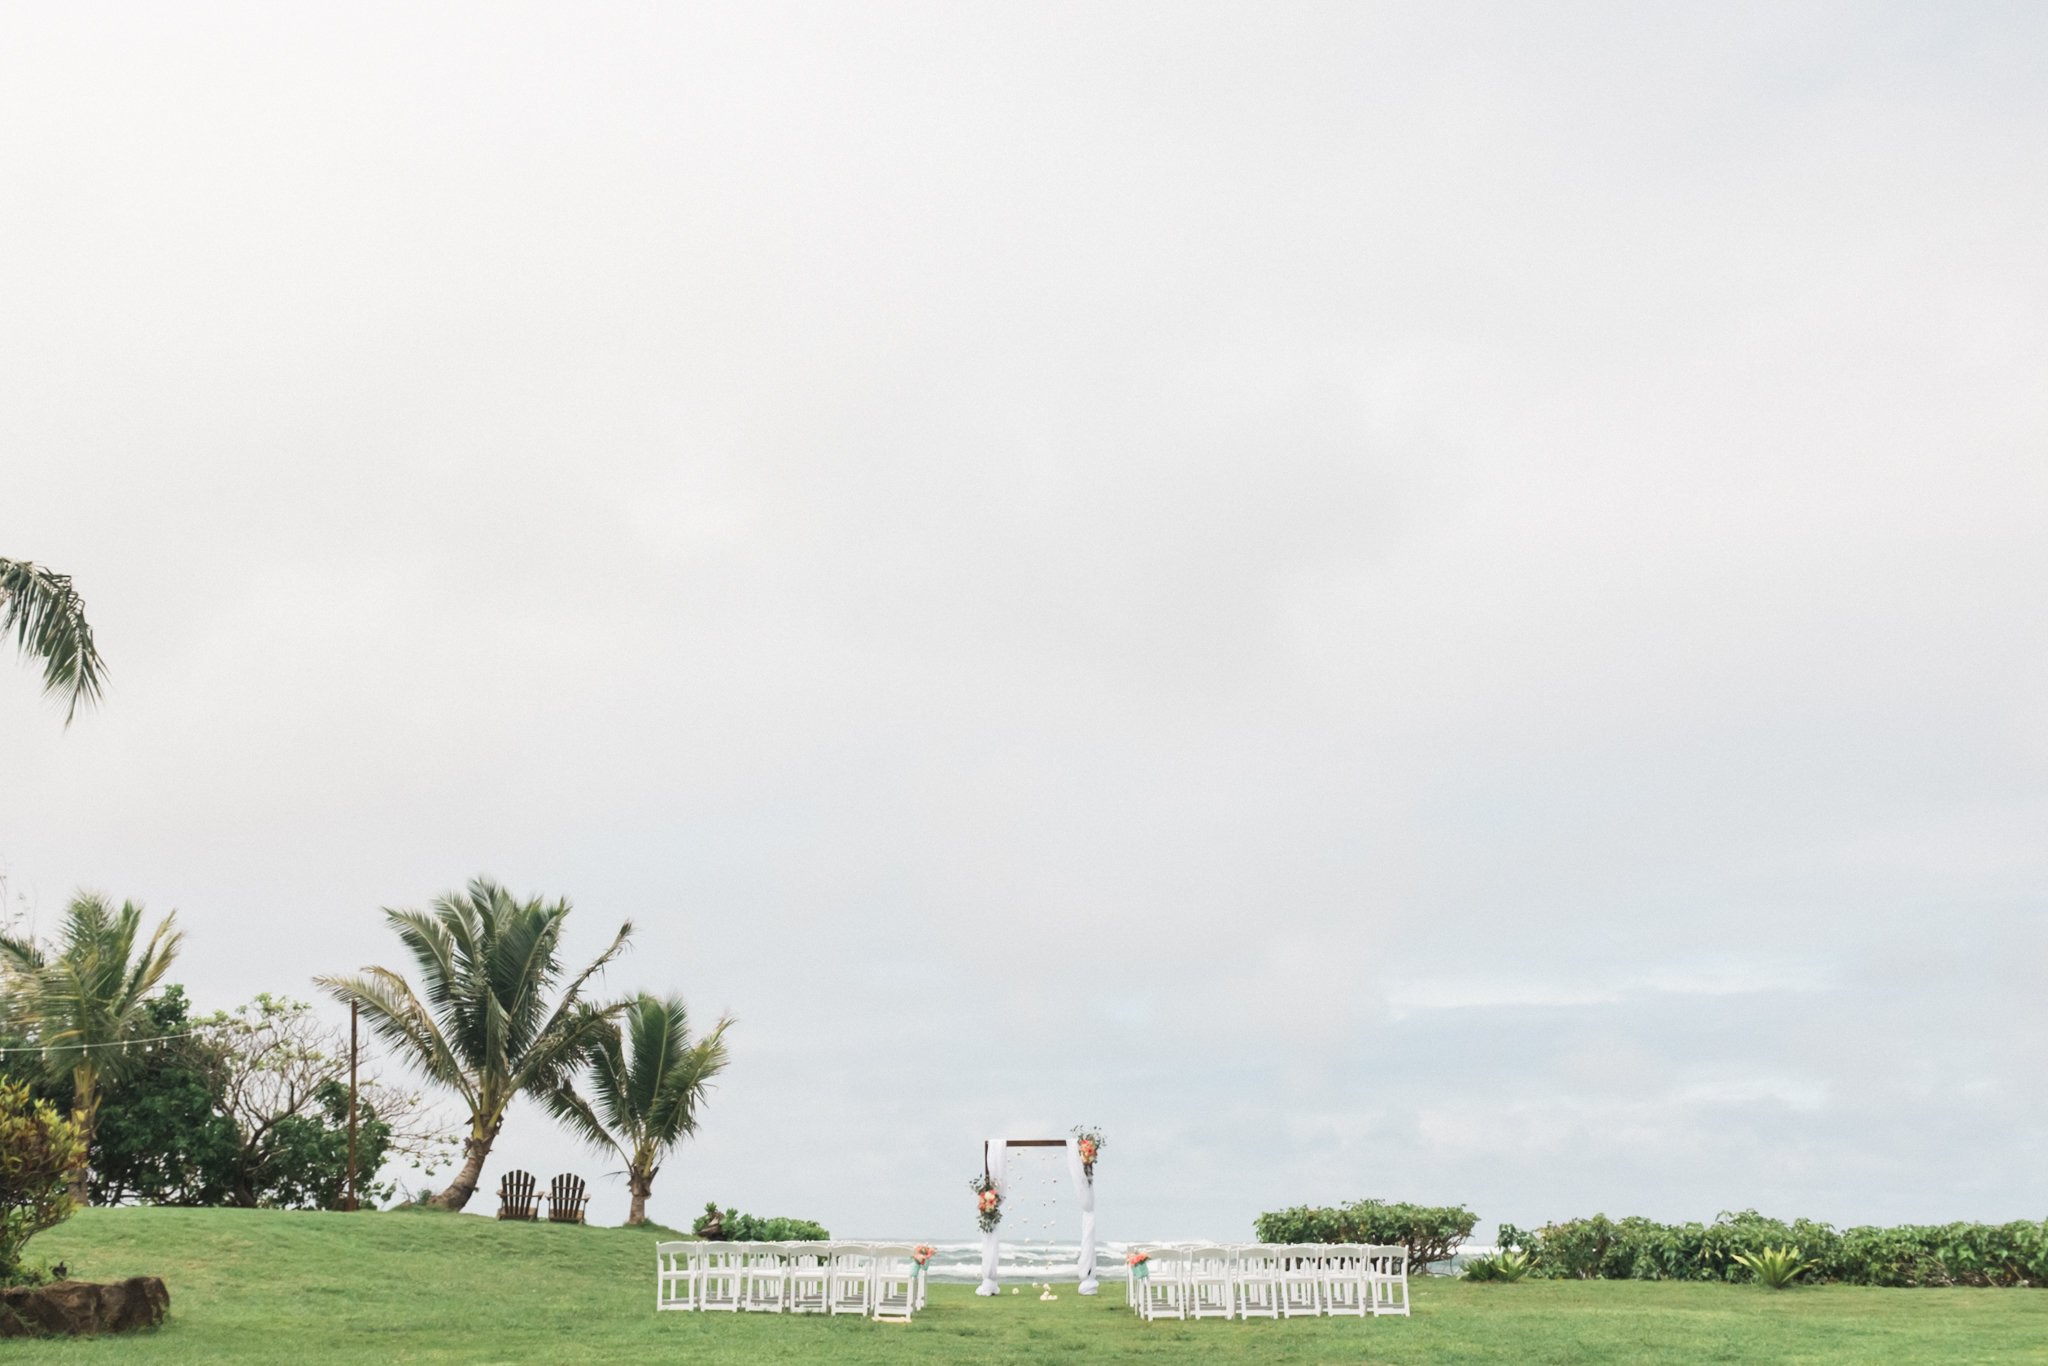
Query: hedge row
{"points": [[2014, 1254], [1431, 1233], [716, 1225]]}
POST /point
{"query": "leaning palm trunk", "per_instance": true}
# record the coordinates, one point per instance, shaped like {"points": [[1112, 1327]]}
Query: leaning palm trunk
{"points": [[475, 1149], [480, 1024]]}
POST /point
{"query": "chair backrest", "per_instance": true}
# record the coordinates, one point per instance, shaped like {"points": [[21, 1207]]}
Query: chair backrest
{"points": [[1261, 1259], [807, 1255], [515, 1195], [1390, 1259], [566, 1198]]}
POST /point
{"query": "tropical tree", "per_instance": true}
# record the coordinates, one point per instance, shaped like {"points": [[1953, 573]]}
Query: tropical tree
{"points": [[648, 1079], [86, 1001], [480, 1022], [47, 618]]}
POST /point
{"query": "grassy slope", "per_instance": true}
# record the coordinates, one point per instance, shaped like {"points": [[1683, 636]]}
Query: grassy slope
{"points": [[306, 1288]]}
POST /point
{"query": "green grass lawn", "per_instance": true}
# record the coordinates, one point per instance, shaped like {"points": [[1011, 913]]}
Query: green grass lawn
{"points": [[249, 1285]]}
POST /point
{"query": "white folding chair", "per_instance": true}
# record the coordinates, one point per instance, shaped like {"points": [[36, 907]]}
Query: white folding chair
{"points": [[1211, 1283], [677, 1275], [850, 1288], [809, 1269], [721, 1285], [1301, 1278], [1258, 1282], [1344, 1291], [766, 1277], [894, 1298], [1388, 1279], [1164, 1293]]}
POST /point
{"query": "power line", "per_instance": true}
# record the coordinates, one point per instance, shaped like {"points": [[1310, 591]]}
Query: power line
{"points": [[112, 1043]]}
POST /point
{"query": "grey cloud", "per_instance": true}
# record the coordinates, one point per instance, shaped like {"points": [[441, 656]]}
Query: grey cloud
{"points": [[1119, 550]]}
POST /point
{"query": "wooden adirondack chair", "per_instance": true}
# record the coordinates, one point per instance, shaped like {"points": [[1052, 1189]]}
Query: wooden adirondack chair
{"points": [[566, 1199], [515, 1196]]}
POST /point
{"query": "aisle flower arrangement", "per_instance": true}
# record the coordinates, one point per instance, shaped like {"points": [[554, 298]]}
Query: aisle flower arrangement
{"points": [[988, 1202], [921, 1254], [1091, 1143], [1140, 1265]]}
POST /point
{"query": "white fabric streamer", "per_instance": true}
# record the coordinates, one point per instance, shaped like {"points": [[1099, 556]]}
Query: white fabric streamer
{"points": [[994, 1153], [1086, 1190]]}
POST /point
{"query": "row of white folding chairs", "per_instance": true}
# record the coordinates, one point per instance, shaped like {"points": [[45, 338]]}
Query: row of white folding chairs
{"points": [[1269, 1280], [882, 1280]]}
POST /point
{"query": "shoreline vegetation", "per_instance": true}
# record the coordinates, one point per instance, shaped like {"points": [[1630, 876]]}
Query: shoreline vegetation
{"points": [[425, 1286]]}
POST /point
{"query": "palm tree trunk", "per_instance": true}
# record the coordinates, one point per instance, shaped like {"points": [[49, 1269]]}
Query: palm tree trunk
{"points": [[475, 1149], [85, 1113], [641, 1185]]}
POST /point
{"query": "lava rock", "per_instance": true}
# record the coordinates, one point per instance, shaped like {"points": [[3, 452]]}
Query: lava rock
{"points": [[80, 1308]]}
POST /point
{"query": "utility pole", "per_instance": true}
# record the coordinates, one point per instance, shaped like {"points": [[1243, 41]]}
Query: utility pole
{"points": [[349, 1201]]}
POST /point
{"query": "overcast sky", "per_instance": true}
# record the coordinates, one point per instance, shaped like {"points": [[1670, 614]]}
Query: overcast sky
{"points": [[1430, 601]]}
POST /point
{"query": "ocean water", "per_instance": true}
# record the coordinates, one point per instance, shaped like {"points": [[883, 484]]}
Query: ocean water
{"points": [[1031, 1261], [1056, 1262]]}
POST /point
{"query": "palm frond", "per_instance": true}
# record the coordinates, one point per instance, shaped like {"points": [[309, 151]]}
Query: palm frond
{"points": [[573, 1021], [575, 1113], [397, 1016], [47, 618], [650, 1096], [88, 995], [478, 1017]]}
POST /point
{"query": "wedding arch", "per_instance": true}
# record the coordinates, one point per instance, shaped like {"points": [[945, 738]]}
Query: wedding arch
{"points": [[1082, 1149]]}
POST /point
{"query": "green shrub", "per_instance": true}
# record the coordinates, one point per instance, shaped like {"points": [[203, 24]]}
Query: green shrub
{"points": [[730, 1226], [2014, 1254], [1431, 1233], [1774, 1267], [39, 1149], [1505, 1265]]}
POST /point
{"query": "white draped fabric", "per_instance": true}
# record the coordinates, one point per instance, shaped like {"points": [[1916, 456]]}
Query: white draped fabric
{"points": [[994, 1153], [1086, 1190]]}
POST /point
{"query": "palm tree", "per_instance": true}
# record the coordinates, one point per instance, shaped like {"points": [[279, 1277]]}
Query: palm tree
{"points": [[87, 1000], [480, 1023], [47, 618], [648, 1099]]}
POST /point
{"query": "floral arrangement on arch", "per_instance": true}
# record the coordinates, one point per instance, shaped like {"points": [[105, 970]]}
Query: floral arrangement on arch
{"points": [[1090, 1142], [988, 1202]]}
